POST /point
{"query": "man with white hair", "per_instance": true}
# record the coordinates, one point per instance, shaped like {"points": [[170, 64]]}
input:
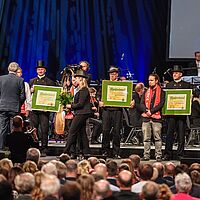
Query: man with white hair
{"points": [[12, 96], [183, 186], [50, 186], [24, 184]]}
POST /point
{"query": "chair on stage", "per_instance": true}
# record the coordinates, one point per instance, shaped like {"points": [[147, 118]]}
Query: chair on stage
{"points": [[194, 133], [134, 131]]}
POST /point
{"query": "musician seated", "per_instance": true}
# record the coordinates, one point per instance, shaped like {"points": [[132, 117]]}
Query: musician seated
{"points": [[19, 142], [194, 67], [195, 112]]}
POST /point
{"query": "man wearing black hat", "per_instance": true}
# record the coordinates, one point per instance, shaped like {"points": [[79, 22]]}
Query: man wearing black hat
{"points": [[40, 117], [176, 123], [111, 117]]}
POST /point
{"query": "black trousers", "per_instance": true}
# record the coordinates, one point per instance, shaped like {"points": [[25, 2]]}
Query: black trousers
{"points": [[41, 118], [97, 128], [111, 118], [78, 128], [175, 124], [5, 117]]}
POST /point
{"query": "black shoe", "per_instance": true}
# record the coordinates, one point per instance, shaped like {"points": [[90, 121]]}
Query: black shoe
{"points": [[145, 159], [166, 157], [158, 159], [117, 157]]}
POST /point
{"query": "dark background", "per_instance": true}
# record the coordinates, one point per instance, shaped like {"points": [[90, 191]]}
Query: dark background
{"points": [[64, 32]]}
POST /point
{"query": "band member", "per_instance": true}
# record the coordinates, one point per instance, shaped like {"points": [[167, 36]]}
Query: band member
{"points": [[40, 117], [151, 104], [176, 123], [111, 120], [194, 66], [82, 111], [85, 66]]}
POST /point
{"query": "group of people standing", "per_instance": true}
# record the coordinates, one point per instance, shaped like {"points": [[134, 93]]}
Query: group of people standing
{"points": [[147, 104]]}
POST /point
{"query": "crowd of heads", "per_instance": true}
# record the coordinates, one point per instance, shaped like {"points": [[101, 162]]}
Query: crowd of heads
{"points": [[95, 178]]}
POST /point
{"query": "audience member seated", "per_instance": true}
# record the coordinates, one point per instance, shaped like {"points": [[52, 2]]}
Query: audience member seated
{"points": [[24, 184], [164, 192], [160, 167], [149, 191], [102, 190], [50, 185], [145, 173], [5, 190], [71, 171], [33, 154], [71, 191], [183, 185], [125, 181], [86, 182], [169, 168], [18, 141], [112, 169]]}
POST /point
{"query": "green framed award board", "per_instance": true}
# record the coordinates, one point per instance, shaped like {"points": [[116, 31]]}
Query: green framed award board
{"points": [[46, 98], [117, 93]]}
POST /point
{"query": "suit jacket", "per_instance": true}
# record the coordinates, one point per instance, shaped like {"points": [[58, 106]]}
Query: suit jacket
{"points": [[12, 93], [179, 85], [42, 81], [81, 103]]}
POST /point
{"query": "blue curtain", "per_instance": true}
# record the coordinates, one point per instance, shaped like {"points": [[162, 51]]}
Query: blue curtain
{"points": [[127, 33]]}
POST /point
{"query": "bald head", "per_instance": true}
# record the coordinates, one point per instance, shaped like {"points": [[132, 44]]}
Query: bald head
{"points": [[169, 168], [102, 189], [160, 167], [125, 179], [101, 169]]}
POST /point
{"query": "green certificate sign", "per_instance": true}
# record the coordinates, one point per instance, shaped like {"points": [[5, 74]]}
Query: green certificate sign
{"points": [[117, 93], [46, 98], [178, 102]]}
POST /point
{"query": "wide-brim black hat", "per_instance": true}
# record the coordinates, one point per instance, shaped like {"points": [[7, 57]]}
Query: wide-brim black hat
{"points": [[177, 68], [40, 64], [113, 69], [81, 73]]}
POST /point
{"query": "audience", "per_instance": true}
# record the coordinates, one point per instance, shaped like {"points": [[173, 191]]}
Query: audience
{"points": [[97, 179]]}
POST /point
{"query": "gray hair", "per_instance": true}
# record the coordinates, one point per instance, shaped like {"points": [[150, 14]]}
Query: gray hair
{"points": [[183, 182], [49, 168], [13, 67], [24, 182], [33, 154], [50, 185]]}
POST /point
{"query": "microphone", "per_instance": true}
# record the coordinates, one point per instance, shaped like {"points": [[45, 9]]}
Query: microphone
{"points": [[154, 70], [122, 58], [168, 70]]}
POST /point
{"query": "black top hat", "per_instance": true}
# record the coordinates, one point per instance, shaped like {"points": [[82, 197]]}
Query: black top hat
{"points": [[113, 69], [81, 73], [177, 68], [40, 64]]}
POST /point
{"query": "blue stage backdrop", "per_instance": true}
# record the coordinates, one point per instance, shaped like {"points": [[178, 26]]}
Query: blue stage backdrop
{"points": [[127, 33]]}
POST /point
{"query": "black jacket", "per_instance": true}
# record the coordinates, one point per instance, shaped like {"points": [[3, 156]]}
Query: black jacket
{"points": [[179, 85], [192, 69], [82, 103], [42, 81]]}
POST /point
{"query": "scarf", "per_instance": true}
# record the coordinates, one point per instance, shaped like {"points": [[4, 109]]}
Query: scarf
{"points": [[148, 97]]}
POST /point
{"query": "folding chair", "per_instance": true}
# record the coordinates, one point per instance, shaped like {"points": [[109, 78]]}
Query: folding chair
{"points": [[132, 136], [194, 132]]}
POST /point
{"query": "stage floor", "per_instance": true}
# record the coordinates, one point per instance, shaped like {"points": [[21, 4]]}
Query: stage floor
{"points": [[56, 148]]}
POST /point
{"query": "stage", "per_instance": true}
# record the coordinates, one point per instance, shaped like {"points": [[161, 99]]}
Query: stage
{"points": [[191, 152]]}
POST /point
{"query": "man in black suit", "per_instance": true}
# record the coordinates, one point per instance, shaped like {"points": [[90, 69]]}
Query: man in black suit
{"points": [[12, 96], [176, 123], [194, 67], [40, 117]]}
